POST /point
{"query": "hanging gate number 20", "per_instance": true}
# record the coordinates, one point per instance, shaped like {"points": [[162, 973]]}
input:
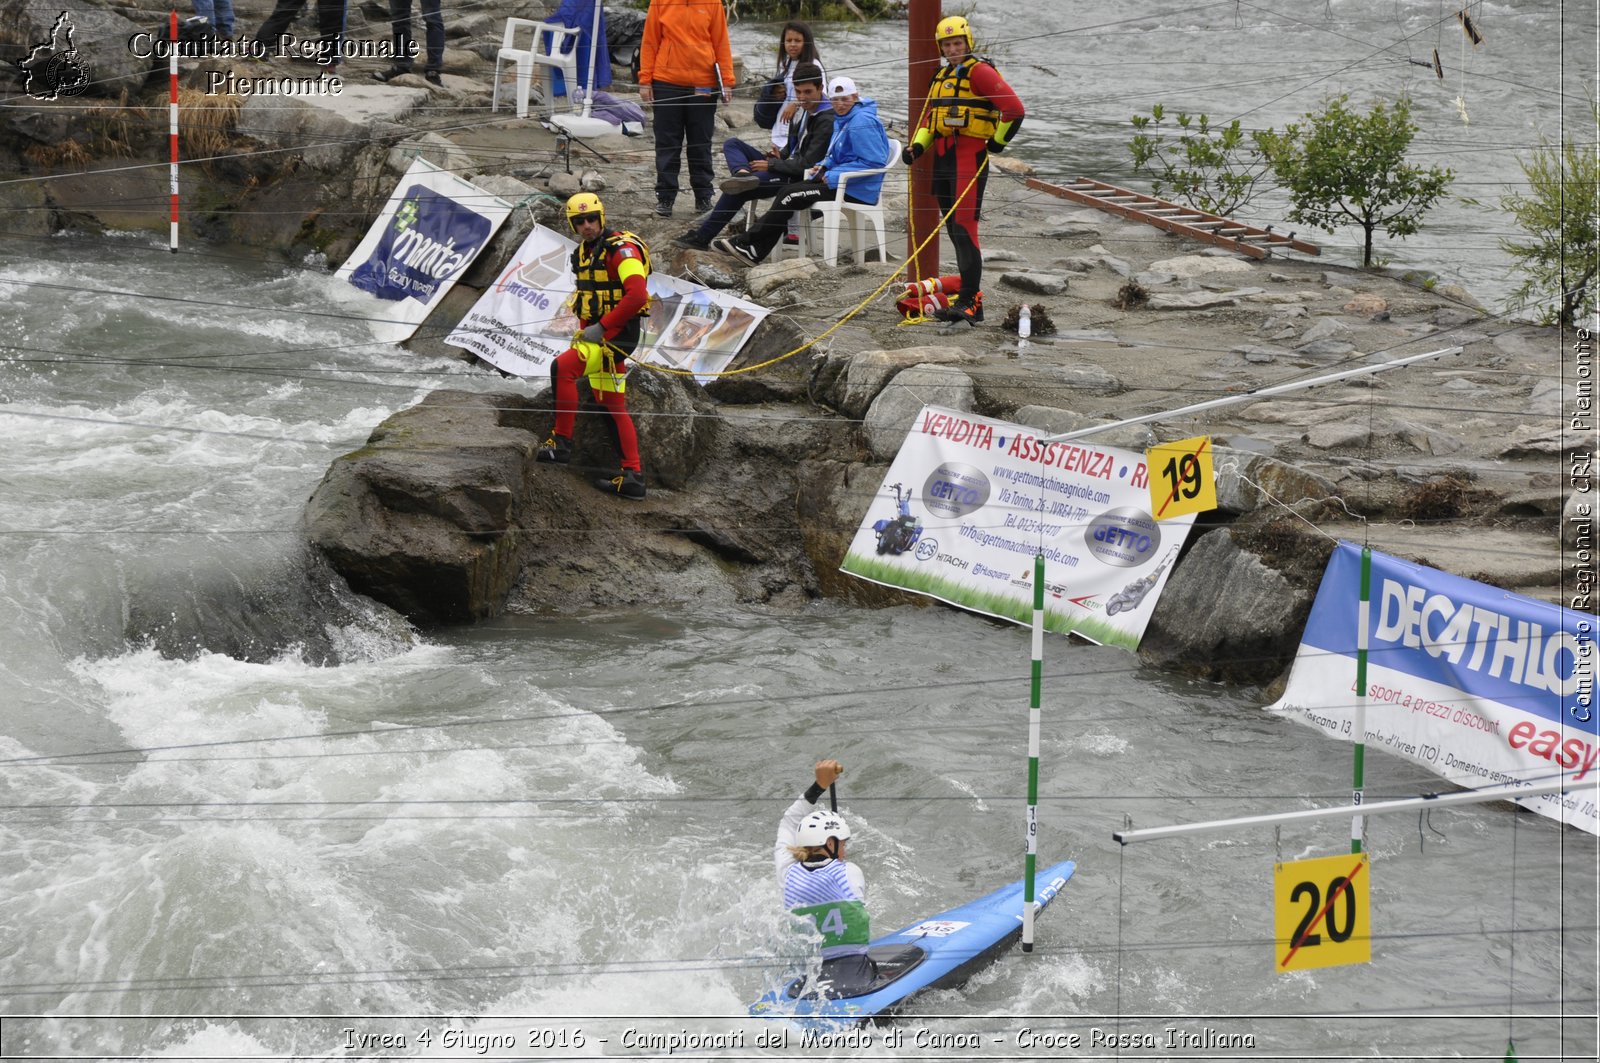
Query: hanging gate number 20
{"points": [[1320, 915]]}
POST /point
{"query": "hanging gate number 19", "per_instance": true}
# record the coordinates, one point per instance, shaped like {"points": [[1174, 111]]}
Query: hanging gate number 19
{"points": [[1320, 915], [1183, 480]]}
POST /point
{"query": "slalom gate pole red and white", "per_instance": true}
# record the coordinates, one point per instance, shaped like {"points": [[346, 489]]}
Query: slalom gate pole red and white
{"points": [[172, 127]]}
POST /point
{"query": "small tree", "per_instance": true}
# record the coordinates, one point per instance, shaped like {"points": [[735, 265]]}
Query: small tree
{"points": [[1344, 167], [1212, 170], [1559, 214]]}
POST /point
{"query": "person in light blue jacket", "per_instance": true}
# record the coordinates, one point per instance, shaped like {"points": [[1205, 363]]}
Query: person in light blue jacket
{"points": [[858, 143]]}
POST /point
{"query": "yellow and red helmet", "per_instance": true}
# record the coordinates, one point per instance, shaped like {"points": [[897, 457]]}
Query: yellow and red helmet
{"points": [[954, 26], [584, 203]]}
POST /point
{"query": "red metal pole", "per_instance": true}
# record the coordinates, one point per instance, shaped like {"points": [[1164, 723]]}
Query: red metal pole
{"points": [[922, 54]]}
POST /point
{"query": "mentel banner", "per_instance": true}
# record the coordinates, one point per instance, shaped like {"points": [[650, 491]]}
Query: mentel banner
{"points": [[429, 232], [1486, 687], [970, 502]]}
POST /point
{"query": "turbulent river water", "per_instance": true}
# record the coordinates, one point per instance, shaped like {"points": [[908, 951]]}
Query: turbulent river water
{"points": [[245, 813]]}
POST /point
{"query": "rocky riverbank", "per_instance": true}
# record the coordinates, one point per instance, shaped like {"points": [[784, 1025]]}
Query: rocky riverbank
{"points": [[759, 480]]}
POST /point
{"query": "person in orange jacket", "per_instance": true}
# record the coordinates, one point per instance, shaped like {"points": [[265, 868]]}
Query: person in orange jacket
{"points": [[685, 63]]}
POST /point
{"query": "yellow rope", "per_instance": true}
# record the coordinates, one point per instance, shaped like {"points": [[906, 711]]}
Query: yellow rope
{"points": [[860, 307]]}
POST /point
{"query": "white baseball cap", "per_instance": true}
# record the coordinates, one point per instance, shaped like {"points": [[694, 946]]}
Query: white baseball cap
{"points": [[842, 87]]}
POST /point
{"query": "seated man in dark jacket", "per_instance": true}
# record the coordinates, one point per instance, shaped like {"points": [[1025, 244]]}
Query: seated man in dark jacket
{"points": [[809, 133], [859, 144]]}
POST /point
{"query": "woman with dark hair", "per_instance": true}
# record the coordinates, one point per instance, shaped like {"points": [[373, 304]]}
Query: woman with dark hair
{"points": [[796, 45]]}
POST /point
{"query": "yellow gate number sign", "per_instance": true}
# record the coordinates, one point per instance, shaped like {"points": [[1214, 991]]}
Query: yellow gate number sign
{"points": [[1320, 913], [1181, 478]]}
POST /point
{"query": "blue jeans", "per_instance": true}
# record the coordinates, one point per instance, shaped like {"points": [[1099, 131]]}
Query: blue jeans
{"points": [[739, 154], [219, 13]]}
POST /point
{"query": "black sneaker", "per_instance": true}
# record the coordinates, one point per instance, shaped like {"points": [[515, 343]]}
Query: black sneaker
{"points": [[557, 450], [703, 205], [389, 75], [663, 209], [963, 309], [627, 483], [692, 240], [432, 78], [739, 251]]}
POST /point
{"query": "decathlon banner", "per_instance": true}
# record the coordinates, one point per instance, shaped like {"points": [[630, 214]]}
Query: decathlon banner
{"points": [[429, 232], [1483, 686], [523, 320], [969, 502]]}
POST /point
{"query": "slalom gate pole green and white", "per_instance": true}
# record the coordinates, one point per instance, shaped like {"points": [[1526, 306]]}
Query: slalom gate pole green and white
{"points": [[1362, 616], [1030, 861]]}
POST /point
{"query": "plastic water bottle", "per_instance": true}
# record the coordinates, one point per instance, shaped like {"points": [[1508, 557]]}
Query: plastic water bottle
{"points": [[1024, 327]]}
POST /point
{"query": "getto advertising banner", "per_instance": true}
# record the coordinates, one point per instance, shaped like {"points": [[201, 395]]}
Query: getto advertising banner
{"points": [[1481, 686], [969, 502]]}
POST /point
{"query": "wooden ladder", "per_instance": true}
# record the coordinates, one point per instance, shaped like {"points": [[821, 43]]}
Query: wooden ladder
{"points": [[1175, 218]]}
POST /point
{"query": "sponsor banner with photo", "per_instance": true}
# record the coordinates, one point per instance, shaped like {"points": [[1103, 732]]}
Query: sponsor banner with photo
{"points": [[969, 503], [429, 232], [698, 330], [1484, 687], [525, 320]]}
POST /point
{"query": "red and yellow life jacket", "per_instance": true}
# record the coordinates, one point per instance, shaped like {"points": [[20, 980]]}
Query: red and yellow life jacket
{"points": [[954, 109], [597, 291]]}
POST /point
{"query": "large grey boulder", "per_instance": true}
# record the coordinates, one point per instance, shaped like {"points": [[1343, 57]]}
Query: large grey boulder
{"points": [[424, 518], [895, 409], [1227, 613], [850, 382], [1247, 482], [438, 515]]}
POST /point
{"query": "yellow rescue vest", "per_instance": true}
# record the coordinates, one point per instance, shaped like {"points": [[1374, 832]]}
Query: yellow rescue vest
{"points": [[597, 290], [954, 109]]}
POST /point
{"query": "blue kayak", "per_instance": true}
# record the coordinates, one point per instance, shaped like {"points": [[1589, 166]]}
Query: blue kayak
{"points": [[937, 953]]}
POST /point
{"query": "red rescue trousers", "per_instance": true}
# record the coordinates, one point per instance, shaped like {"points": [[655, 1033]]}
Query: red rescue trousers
{"points": [[564, 374]]}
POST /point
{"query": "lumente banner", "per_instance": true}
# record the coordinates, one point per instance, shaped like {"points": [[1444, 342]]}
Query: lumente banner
{"points": [[428, 233], [969, 502], [525, 320], [1484, 687]]}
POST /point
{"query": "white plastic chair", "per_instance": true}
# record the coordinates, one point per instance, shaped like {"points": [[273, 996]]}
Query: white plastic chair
{"points": [[524, 59], [861, 215]]}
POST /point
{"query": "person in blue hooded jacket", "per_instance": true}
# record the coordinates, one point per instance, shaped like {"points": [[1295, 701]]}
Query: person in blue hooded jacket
{"points": [[858, 143]]}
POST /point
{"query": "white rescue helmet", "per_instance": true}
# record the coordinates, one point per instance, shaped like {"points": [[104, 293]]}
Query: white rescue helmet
{"points": [[818, 827]]}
